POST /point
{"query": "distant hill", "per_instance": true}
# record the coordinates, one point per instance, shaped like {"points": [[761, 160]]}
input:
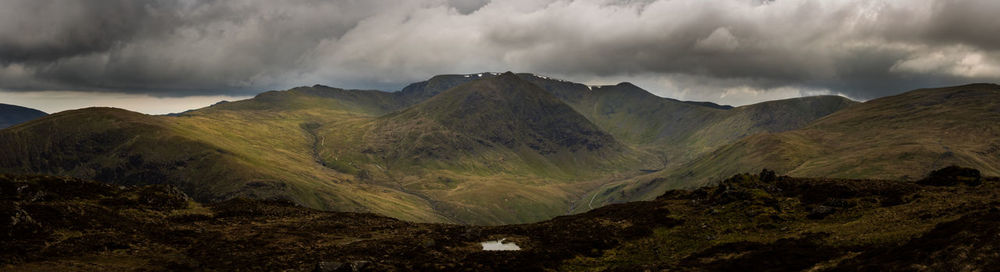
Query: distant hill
{"points": [[709, 104], [418, 92], [496, 140], [114, 145], [369, 102], [886, 138], [11, 115], [502, 112], [678, 130], [215, 157]]}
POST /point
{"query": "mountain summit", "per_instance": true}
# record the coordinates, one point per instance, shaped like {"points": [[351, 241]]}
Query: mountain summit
{"points": [[509, 111]]}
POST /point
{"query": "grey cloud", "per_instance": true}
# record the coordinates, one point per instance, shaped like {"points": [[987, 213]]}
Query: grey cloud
{"points": [[966, 22], [467, 6], [38, 31], [693, 48], [167, 47]]}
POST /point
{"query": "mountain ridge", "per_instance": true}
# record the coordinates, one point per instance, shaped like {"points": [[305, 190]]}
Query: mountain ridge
{"points": [[884, 138], [677, 130], [470, 153]]}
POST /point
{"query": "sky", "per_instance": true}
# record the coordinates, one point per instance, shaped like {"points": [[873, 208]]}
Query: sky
{"points": [[168, 56]]}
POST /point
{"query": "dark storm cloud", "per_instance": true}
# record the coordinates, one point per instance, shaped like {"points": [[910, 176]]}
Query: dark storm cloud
{"points": [[707, 50], [166, 47], [54, 30]]}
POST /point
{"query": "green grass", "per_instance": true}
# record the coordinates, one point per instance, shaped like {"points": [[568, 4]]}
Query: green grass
{"points": [[678, 131]]}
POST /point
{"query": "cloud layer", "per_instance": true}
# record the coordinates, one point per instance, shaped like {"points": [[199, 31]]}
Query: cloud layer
{"points": [[728, 50]]}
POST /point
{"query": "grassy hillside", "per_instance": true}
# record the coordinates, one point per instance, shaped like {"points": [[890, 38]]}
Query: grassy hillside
{"points": [[114, 145], [11, 115], [886, 138], [365, 102], [522, 158], [418, 92], [766, 117], [496, 149], [498, 113], [214, 157], [678, 130], [491, 148]]}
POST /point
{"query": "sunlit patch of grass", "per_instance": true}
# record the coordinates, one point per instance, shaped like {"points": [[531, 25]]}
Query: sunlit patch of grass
{"points": [[193, 208]]}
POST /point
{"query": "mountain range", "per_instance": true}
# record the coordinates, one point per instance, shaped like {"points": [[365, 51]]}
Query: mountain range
{"points": [[495, 148], [886, 138]]}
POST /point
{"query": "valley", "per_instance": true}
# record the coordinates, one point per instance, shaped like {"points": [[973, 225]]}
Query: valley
{"points": [[885, 138]]}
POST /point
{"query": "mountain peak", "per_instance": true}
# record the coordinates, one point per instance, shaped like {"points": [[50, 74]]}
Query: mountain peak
{"points": [[513, 112], [626, 84]]}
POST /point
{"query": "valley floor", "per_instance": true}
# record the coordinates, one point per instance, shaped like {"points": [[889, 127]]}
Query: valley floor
{"points": [[747, 222]]}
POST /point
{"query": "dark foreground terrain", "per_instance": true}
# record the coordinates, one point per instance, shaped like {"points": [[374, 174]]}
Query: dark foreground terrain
{"points": [[949, 222]]}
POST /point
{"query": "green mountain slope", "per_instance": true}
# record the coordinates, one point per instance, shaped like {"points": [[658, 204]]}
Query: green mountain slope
{"points": [[497, 149], [886, 138], [321, 97], [502, 112], [11, 115], [114, 145], [332, 149], [366, 102], [482, 148], [418, 92], [211, 158], [678, 130]]}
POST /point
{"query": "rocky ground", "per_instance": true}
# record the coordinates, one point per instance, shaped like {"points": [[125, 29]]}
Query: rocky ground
{"points": [[748, 222]]}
